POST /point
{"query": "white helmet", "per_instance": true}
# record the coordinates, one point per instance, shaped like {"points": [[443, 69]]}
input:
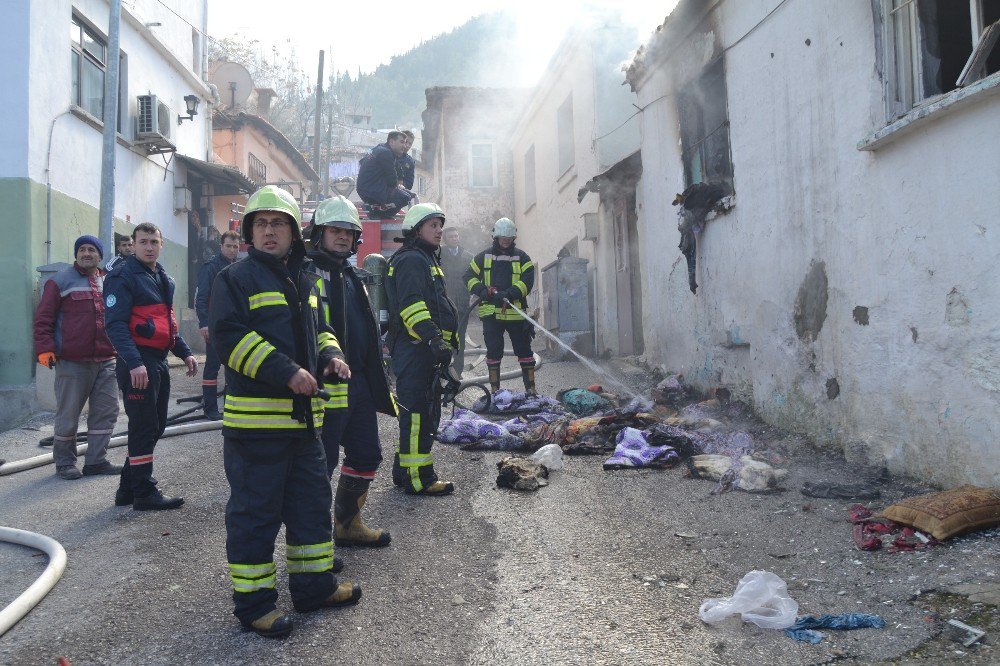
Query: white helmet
{"points": [[504, 228]]}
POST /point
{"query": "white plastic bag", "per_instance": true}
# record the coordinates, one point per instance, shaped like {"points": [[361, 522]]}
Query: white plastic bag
{"points": [[761, 597], [550, 455]]}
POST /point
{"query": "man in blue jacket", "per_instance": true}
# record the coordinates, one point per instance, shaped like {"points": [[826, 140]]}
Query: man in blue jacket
{"points": [[379, 183], [139, 320], [229, 248]]}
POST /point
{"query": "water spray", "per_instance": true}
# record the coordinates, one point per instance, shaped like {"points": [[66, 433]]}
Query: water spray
{"points": [[602, 372]]}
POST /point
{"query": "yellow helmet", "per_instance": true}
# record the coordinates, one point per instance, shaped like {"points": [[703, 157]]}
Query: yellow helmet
{"points": [[271, 198], [419, 214]]}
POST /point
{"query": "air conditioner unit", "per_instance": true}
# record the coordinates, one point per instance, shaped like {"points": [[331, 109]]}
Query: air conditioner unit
{"points": [[154, 124]]}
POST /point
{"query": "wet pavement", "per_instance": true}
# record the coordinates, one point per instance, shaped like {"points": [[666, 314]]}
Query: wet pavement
{"points": [[598, 567]]}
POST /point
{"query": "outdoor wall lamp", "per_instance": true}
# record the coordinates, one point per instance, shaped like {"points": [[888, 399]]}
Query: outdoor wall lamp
{"points": [[191, 101]]}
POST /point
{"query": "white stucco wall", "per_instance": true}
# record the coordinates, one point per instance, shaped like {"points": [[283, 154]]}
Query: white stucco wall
{"points": [[13, 78], [583, 67], [142, 193], [908, 231]]}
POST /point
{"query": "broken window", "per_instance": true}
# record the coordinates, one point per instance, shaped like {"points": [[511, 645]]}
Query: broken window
{"points": [[564, 131], [704, 120], [529, 178], [481, 165], [934, 46]]}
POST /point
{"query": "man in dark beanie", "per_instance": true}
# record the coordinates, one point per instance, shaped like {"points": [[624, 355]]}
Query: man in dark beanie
{"points": [[69, 336]]}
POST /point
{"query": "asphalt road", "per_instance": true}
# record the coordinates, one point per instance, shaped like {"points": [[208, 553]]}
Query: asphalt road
{"points": [[588, 570]]}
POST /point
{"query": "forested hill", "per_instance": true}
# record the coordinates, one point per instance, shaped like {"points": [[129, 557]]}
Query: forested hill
{"points": [[478, 53]]}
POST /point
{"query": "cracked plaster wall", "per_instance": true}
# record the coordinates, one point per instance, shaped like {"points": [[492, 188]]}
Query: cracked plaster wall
{"points": [[907, 235]]}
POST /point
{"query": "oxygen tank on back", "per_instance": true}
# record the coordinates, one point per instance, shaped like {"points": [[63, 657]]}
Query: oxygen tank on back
{"points": [[378, 267]]}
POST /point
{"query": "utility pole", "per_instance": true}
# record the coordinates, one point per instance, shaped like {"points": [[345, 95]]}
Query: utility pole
{"points": [[105, 229], [316, 136]]}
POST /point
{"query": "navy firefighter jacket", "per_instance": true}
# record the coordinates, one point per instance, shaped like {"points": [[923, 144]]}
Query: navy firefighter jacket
{"points": [[265, 323], [139, 312]]}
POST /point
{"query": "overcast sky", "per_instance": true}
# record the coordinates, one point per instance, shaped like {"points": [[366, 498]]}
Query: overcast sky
{"points": [[365, 34]]}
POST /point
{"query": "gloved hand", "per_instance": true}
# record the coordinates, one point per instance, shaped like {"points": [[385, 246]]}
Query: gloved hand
{"points": [[48, 359], [441, 350], [493, 296], [512, 294]]}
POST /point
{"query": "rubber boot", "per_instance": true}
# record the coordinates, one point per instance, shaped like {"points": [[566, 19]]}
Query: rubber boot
{"points": [[437, 489], [349, 529], [273, 625], [494, 371], [528, 375], [346, 594], [210, 402]]}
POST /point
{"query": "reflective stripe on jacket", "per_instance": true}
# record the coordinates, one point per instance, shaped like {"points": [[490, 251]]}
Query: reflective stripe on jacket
{"points": [[511, 271], [265, 324], [419, 306]]}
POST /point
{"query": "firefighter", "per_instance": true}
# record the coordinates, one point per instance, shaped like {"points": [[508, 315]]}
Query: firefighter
{"points": [[266, 326], [351, 420], [500, 275], [422, 334]]}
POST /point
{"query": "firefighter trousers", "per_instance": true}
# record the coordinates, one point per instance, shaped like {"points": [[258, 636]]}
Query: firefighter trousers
{"points": [[147, 418], [355, 430], [520, 332], [413, 464], [273, 481]]}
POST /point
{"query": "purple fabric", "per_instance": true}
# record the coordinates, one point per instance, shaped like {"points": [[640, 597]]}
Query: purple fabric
{"points": [[508, 402], [632, 450], [468, 428]]}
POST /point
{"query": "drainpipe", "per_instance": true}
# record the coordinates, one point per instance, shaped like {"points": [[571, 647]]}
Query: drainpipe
{"points": [[48, 191]]}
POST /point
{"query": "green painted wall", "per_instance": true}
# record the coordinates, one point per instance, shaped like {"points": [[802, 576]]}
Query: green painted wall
{"points": [[22, 228]]}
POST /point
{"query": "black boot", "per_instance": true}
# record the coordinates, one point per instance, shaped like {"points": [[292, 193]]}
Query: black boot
{"points": [[349, 529], [156, 501], [528, 375], [210, 402], [494, 371]]}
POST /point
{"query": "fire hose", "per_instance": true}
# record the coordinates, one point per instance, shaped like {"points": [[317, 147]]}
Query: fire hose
{"points": [[28, 599]]}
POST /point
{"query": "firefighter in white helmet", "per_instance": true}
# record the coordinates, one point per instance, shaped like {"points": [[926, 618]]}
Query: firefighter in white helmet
{"points": [[500, 276]]}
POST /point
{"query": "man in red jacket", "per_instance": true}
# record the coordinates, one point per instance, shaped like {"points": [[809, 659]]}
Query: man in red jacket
{"points": [[69, 335]]}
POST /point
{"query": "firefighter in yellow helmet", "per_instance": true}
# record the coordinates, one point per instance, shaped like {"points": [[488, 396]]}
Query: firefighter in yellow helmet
{"points": [[266, 325], [423, 325], [502, 275], [351, 420]]}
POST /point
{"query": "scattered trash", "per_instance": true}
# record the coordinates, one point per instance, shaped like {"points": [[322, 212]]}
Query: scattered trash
{"points": [[684, 535], [583, 402], [551, 456], [761, 597], [949, 513], [468, 428], [870, 532], [633, 450], [505, 401], [521, 474], [804, 628], [671, 391], [966, 635], [749, 475], [844, 491]]}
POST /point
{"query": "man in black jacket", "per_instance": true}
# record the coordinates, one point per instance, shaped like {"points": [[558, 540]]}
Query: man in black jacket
{"points": [[139, 320], [423, 334], [206, 276], [351, 420], [379, 181], [264, 321]]}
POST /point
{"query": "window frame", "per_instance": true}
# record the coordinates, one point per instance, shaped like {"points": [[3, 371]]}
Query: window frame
{"points": [[530, 183], [472, 163], [905, 84], [697, 133], [565, 136], [87, 27]]}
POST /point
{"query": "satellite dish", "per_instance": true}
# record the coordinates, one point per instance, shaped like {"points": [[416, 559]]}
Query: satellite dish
{"points": [[233, 81]]}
